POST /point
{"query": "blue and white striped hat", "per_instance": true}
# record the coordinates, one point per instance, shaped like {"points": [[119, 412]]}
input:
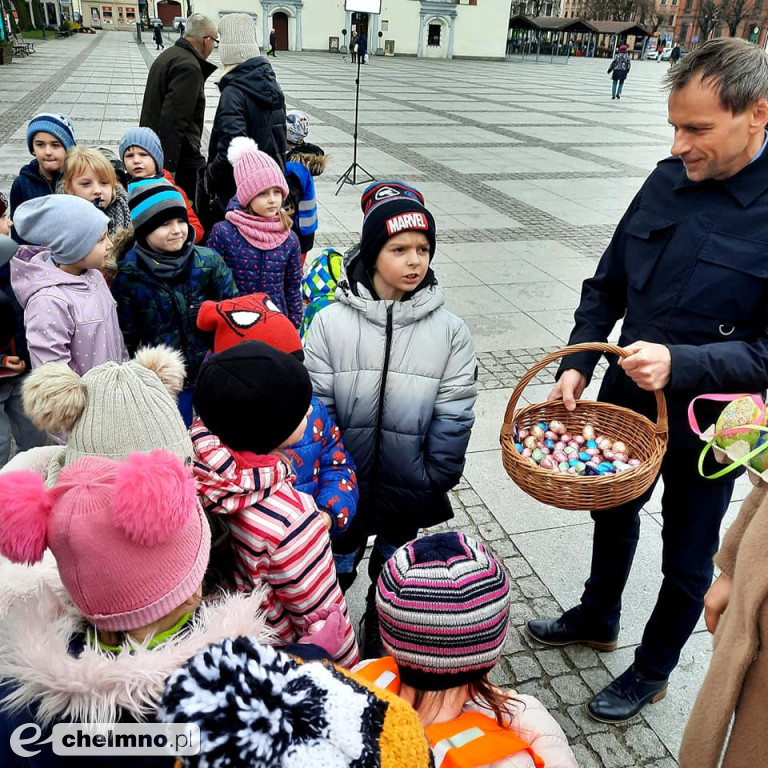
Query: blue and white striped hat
{"points": [[57, 125], [154, 202]]}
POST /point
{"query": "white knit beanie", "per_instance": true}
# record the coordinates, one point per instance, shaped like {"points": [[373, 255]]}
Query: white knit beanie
{"points": [[237, 39]]}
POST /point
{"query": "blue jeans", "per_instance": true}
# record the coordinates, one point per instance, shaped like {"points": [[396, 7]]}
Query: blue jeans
{"points": [[616, 87]]}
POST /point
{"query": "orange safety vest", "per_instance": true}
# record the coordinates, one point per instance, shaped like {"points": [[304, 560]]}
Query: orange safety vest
{"points": [[472, 739]]}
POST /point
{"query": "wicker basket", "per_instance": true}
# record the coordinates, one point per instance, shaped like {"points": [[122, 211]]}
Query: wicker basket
{"points": [[646, 440]]}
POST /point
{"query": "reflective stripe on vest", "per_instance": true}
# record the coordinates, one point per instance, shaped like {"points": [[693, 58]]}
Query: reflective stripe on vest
{"points": [[472, 739]]}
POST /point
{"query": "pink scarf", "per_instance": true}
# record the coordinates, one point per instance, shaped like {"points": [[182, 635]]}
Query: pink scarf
{"points": [[264, 234]]}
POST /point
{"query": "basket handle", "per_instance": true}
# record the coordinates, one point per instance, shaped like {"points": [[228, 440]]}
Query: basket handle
{"points": [[662, 425]]}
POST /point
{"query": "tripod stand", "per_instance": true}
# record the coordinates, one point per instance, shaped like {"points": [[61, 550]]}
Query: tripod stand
{"points": [[350, 175]]}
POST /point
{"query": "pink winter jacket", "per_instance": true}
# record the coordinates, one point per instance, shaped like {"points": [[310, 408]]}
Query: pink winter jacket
{"points": [[68, 318]]}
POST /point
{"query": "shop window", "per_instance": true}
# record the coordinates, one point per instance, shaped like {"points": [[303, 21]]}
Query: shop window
{"points": [[433, 34]]}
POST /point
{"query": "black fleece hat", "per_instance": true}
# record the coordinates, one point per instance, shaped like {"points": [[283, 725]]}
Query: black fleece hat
{"points": [[392, 207], [252, 396]]}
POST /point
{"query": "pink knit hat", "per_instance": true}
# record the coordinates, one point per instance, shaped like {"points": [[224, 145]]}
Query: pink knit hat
{"points": [[129, 537], [255, 171]]}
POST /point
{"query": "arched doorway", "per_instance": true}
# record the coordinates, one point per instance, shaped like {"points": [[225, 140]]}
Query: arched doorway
{"points": [[280, 25], [436, 43]]}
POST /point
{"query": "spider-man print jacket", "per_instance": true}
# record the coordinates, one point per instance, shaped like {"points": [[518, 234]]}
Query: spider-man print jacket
{"points": [[324, 469]]}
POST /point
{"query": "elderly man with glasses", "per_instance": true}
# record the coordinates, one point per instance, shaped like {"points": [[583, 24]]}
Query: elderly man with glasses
{"points": [[174, 99]]}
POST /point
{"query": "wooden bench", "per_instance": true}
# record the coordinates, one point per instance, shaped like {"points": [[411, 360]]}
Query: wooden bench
{"points": [[21, 46]]}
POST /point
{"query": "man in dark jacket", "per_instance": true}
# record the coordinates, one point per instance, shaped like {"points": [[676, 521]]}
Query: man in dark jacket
{"points": [[174, 100], [687, 272], [251, 104]]}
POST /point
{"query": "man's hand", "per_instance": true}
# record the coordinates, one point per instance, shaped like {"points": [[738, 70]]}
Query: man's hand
{"points": [[649, 366], [14, 363], [569, 388], [716, 601]]}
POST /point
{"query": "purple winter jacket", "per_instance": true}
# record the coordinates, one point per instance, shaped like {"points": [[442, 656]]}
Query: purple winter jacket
{"points": [[68, 318]]}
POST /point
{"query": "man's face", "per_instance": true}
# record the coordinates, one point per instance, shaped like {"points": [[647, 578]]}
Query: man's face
{"points": [[712, 142], [210, 41]]}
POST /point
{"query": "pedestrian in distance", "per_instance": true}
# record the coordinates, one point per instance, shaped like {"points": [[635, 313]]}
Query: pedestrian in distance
{"points": [[443, 602], [353, 46], [694, 322], [396, 371], [256, 240], [674, 56], [271, 51], [157, 34], [620, 67]]}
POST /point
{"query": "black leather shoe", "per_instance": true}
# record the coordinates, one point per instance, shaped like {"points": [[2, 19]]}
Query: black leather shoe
{"points": [[625, 697], [569, 629]]}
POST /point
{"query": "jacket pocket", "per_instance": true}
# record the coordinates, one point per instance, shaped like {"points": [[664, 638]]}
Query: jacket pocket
{"points": [[648, 235], [727, 282]]}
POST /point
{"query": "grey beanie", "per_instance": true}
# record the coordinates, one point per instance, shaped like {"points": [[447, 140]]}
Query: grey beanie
{"points": [[112, 410], [69, 226], [237, 35], [8, 248], [148, 140]]}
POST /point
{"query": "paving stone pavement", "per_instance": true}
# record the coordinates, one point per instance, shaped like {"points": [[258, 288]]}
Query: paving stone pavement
{"points": [[527, 167]]}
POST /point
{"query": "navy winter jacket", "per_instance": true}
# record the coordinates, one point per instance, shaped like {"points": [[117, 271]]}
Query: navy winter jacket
{"points": [[29, 184], [276, 272]]}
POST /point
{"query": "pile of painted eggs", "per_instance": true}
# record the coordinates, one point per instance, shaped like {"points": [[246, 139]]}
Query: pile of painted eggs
{"points": [[551, 446]]}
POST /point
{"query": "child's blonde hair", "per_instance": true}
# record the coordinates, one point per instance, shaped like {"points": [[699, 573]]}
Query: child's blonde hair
{"points": [[79, 160]]}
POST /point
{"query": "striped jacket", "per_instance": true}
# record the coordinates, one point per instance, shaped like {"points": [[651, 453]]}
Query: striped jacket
{"points": [[278, 537]]}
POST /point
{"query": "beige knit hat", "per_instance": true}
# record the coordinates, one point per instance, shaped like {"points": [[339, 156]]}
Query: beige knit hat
{"points": [[237, 39], [112, 410]]}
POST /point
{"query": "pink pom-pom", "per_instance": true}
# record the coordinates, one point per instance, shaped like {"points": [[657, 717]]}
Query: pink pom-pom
{"points": [[25, 506], [154, 494]]}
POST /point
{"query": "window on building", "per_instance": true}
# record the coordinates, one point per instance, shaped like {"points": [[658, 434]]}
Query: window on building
{"points": [[549, 9], [688, 5], [473, 2], [663, 2], [433, 34]]}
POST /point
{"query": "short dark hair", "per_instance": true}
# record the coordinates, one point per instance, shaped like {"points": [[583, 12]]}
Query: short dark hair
{"points": [[739, 70]]}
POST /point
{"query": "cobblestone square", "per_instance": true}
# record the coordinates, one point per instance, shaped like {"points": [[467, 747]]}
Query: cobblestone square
{"points": [[527, 167]]}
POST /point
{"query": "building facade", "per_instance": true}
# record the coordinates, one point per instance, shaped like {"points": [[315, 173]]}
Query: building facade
{"points": [[427, 28]]}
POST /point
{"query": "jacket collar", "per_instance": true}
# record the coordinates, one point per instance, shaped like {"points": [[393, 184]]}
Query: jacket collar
{"points": [[745, 186], [37, 637], [207, 68]]}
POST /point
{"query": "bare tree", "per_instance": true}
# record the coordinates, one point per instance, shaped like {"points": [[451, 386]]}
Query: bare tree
{"points": [[708, 16], [733, 12]]}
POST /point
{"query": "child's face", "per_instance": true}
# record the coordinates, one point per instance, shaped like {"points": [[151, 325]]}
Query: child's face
{"points": [[91, 187], [170, 237], [49, 152], [267, 203], [5, 225], [401, 265], [297, 433], [98, 256], [139, 163]]}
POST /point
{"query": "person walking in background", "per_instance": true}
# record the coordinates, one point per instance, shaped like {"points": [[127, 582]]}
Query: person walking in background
{"points": [[353, 47], [362, 47], [620, 67], [271, 51], [674, 57], [174, 100], [157, 34]]}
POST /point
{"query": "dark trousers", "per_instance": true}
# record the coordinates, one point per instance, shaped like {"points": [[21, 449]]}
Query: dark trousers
{"points": [[692, 510], [190, 160]]}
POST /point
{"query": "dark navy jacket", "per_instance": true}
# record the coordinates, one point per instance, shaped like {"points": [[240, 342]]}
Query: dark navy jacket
{"points": [[687, 267], [29, 184]]}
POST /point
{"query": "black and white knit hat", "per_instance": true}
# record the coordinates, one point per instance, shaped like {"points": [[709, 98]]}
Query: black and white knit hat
{"points": [[259, 707], [154, 202], [443, 603]]}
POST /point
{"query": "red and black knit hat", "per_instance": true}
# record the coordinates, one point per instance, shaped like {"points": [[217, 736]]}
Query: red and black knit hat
{"points": [[443, 604], [392, 207]]}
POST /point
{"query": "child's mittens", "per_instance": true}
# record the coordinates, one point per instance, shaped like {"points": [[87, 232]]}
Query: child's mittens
{"points": [[325, 628]]}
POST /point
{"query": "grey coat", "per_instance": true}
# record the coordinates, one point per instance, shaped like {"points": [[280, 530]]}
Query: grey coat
{"points": [[399, 378]]}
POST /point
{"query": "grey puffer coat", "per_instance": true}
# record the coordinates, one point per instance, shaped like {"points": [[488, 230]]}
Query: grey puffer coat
{"points": [[399, 378]]}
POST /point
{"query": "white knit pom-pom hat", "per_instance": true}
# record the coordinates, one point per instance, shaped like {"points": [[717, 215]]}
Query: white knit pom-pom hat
{"points": [[254, 170]]}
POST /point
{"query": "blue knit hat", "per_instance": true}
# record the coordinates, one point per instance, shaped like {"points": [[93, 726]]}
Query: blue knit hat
{"points": [[68, 225], [57, 125], [148, 140]]}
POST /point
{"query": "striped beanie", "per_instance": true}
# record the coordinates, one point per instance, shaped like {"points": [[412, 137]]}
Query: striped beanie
{"points": [[57, 125], [154, 202], [443, 603]]}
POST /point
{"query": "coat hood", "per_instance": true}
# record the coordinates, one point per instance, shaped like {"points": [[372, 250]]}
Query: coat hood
{"points": [[32, 270], [256, 78], [356, 293], [37, 665], [31, 171]]}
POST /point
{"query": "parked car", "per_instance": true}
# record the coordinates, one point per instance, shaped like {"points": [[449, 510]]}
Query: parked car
{"points": [[666, 53], [651, 55], [154, 22], [179, 20]]}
